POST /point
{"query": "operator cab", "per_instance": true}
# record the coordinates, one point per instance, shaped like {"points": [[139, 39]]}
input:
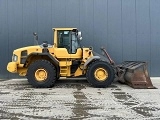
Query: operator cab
{"points": [[69, 39]]}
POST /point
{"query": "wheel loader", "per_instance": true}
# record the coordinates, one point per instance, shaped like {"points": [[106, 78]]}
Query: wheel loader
{"points": [[44, 64]]}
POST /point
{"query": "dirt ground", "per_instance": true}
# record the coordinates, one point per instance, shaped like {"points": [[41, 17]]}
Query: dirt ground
{"points": [[76, 99]]}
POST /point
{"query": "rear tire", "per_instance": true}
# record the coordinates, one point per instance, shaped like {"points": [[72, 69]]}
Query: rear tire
{"points": [[100, 74], [41, 74]]}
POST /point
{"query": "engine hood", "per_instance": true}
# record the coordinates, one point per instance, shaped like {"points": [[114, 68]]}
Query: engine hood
{"points": [[34, 48], [28, 49]]}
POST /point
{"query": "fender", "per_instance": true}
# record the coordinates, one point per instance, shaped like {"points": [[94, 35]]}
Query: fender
{"points": [[90, 59], [56, 62]]}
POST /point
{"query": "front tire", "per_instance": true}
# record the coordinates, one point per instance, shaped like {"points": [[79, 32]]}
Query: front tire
{"points": [[41, 74], [100, 74]]}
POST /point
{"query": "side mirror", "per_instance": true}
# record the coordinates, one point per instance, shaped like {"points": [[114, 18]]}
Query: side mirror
{"points": [[80, 35], [80, 38]]}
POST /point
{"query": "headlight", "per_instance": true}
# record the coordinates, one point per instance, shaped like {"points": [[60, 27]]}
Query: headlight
{"points": [[14, 58]]}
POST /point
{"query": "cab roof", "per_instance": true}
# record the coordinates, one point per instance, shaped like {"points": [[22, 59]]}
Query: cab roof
{"points": [[63, 28]]}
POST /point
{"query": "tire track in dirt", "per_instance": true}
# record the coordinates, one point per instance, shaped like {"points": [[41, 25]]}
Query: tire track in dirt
{"points": [[132, 103]]}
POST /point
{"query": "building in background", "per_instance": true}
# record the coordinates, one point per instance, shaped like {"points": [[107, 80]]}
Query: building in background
{"points": [[129, 29]]}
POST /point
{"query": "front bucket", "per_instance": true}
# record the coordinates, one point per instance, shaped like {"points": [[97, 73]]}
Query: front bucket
{"points": [[135, 74]]}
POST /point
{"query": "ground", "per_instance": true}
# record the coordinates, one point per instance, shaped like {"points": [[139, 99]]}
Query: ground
{"points": [[76, 99]]}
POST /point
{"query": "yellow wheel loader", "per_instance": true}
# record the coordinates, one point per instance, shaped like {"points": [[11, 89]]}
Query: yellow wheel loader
{"points": [[44, 64]]}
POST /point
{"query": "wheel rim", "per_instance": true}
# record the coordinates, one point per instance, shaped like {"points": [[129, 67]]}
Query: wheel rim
{"points": [[41, 75], [101, 74]]}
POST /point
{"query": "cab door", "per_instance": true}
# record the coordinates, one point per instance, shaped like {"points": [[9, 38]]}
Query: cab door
{"points": [[63, 49]]}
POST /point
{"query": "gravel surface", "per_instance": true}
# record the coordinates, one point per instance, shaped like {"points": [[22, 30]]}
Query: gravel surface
{"points": [[76, 99]]}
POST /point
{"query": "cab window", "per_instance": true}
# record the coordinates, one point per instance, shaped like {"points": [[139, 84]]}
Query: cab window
{"points": [[68, 40]]}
